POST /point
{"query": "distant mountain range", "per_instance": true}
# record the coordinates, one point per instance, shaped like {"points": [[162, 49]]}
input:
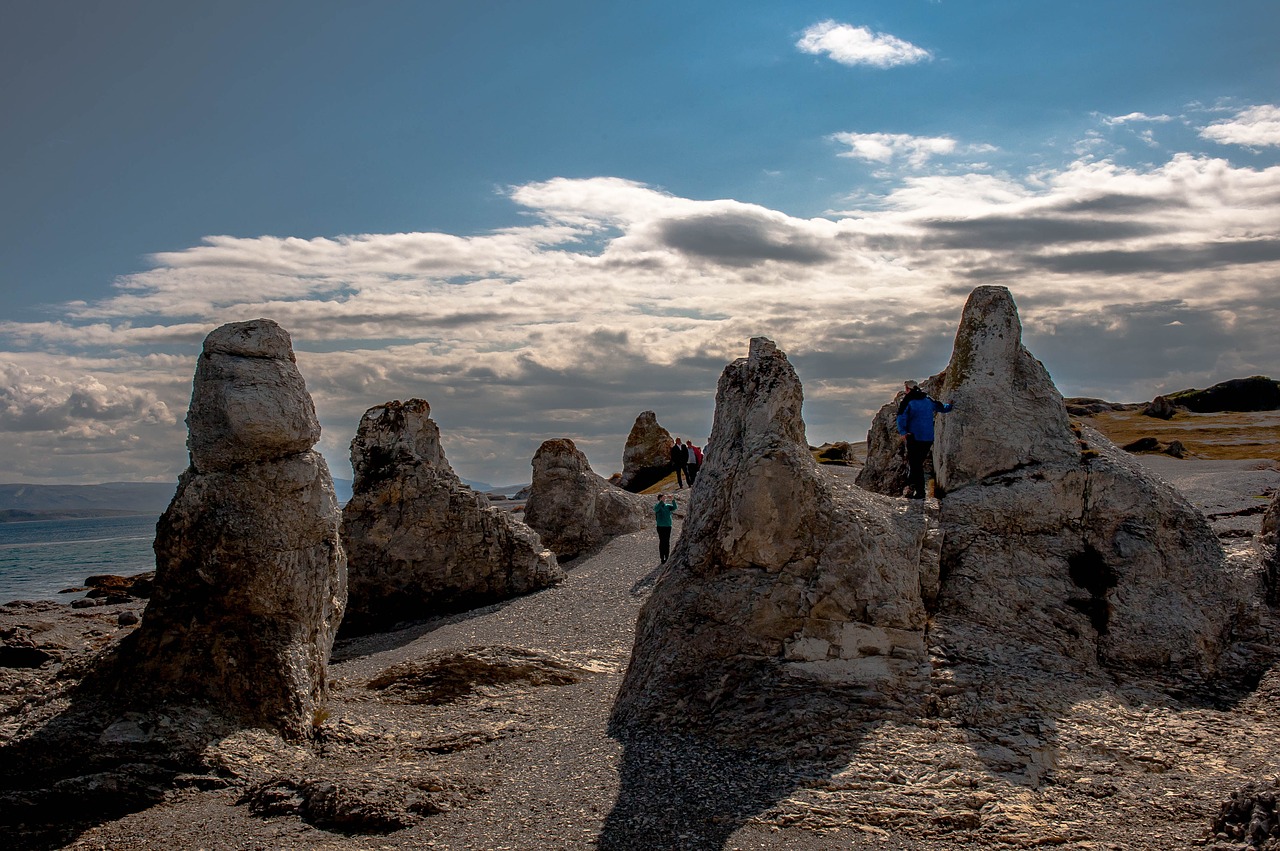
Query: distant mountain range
{"points": [[30, 502], [50, 502]]}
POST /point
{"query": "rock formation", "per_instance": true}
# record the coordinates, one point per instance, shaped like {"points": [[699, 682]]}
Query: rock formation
{"points": [[420, 542], [1052, 550], [250, 575], [646, 457], [785, 577], [572, 508], [1160, 408], [1057, 536]]}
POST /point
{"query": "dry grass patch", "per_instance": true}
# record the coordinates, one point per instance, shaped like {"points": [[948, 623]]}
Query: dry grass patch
{"points": [[1226, 436]]}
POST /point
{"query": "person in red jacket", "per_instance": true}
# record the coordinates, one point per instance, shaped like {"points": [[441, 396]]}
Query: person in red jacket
{"points": [[695, 461]]}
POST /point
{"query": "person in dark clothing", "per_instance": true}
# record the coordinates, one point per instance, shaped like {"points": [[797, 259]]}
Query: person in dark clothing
{"points": [[679, 459], [662, 511], [915, 424]]}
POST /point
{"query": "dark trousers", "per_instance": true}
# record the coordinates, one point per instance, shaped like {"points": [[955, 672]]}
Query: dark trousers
{"points": [[918, 451], [691, 473], [679, 474], [664, 542]]}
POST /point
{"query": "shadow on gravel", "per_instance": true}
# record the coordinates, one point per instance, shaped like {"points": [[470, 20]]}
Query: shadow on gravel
{"points": [[691, 793], [355, 646], [677, 792], [94, 762]]}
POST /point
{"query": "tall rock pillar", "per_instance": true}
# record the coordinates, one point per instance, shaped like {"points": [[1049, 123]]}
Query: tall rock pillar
{"points": [[250, 574]]}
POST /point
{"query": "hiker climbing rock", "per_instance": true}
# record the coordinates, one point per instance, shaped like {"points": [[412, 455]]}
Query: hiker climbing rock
{"points": [[915, 424]]}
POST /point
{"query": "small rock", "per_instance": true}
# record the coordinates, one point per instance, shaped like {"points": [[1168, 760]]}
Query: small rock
{"points": [[127, 619]]}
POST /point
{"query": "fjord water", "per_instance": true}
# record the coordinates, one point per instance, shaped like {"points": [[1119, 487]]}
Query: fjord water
{"points": [[40, 558]]}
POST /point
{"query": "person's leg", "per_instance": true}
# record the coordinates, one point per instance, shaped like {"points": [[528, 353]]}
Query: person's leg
{"points": [[691, 473], [928, 469], [915, 466], [664, 542], [679, 475]]}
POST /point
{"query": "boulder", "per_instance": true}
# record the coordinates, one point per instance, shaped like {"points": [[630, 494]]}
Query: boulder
{"points": [[646, 458], [840, 454], [572, 508], [250, 579], [106, 585], [1160, 408], [1142, 444], [789, 588], [419, 542]]}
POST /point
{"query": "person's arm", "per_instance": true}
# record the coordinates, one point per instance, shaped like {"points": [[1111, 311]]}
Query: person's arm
{"points": [[902, 423]]}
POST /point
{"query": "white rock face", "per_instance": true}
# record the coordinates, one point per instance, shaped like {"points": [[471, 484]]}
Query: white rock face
{"points": [[1007, 411], [646, 457], [784, 577], [572, 508], [420, 542], [1269, 540], [250, 574]]}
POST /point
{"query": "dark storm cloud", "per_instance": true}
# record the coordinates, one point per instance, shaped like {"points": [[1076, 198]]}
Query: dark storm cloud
{"points": [[1006, 232], [1132, 205], [741, 239]]}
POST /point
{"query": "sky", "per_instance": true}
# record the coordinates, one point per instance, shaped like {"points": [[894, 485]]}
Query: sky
{"points": [[544, 218]]}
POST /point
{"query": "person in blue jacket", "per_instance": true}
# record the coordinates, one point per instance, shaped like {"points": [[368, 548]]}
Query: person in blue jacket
{"points": [[915, 424]]}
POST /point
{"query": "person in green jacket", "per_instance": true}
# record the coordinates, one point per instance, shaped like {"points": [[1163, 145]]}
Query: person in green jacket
{"points": [[662, 511]]}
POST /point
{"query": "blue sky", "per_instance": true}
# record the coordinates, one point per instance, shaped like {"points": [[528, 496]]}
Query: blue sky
{"points": [[547, 217]]}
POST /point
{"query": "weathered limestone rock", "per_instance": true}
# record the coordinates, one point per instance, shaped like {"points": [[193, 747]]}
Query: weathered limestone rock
{"points": [[1007, 411], [420, 542], [788, 586], [1269, 539], [646, 457], [250, 575], [572, 508]]}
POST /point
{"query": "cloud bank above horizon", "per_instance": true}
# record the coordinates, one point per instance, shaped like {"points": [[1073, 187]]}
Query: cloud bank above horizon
{"points": [[613, 297]]}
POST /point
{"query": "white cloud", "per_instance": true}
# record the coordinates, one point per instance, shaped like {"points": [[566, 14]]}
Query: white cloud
{"points": [[1135, 117], [885, 147], [616, 297], [1255, 127], [850, 45]]}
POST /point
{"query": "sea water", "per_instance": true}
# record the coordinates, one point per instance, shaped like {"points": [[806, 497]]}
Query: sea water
{"points": [[39, 558]]}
